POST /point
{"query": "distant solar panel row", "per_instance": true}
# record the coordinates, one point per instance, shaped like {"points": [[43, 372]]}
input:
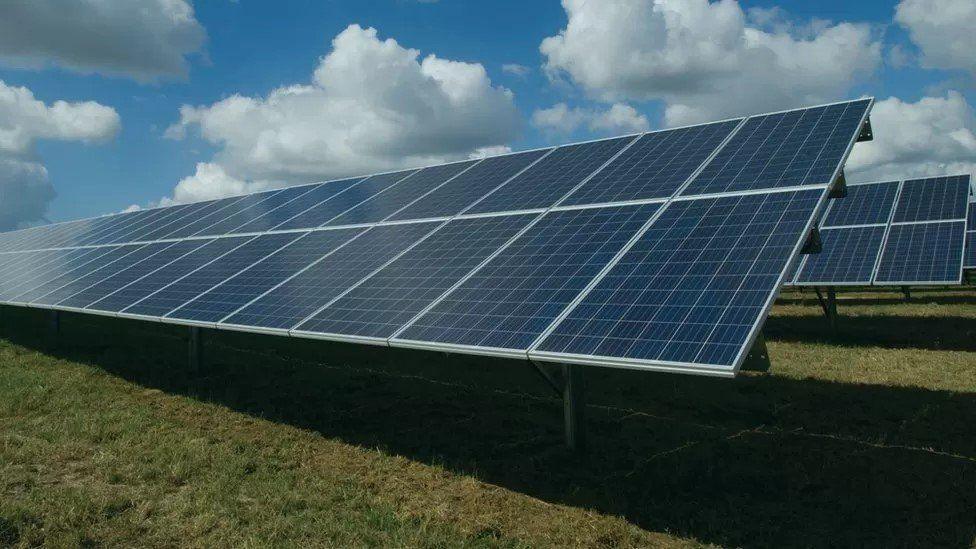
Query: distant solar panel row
{"points": [[969, 259], [893, 233], [660, 251]]}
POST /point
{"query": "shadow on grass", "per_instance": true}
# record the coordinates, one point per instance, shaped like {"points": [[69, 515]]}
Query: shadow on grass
{"points": [[887, 331], [756, 462]]}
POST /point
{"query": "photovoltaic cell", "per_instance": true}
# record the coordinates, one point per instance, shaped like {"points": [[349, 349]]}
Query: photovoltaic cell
{"points": [[326, 211], [208, 276], [864, 205], [933, 199], [239, 289], [927, 253], [654, 167], [802, 147], [462, 191], [390, 298], [287, 305], [222, 208], [136, 253], [231, 223], [848, 256], [551, 178], [165, 254], [180, 266], [970, 260], [316, 196], [79, 267], [513, 298], [400, 195], [693, 287]]}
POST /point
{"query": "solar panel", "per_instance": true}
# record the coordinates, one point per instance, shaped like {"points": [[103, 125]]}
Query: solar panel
{"points": [[326, 211], [849, 256], [692, 290], [551, 178], [389, 298], [578, 254], [165, 253], [315, 197], [199, 281], [239, 289], [969, 261], [462, 191], [513, 298], [384, 205], [655, 166], [923, 253], [179, 266], [297, 299], [933, 199], [786, 149], [867, 204]]}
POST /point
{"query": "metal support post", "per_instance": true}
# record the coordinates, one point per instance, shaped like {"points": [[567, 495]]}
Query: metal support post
{"points": [[832, 309], [908, 293], [54, 322], [195, 348], [574, 406]]}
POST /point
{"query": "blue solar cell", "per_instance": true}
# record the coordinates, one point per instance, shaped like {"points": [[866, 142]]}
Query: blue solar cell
{"points": [[79, 266], [462, 191], [969, 262], [654, 167], [971, 217], [206, 277], [27, 268], [390, 298], [933, 199], [231, 223], [928, 253], [183, 215], [165, 253], [863, 205], [238, 290], [551, 178], [222, 209], [384, 205], [295, 300], [180, 266], [115, 224], [693, 287], [513, 298], [329, 209], [848, 257], [801, 147], [136, 253], [316, 196], [134, 231]]}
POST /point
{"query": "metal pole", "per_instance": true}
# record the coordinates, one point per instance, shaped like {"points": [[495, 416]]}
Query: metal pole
{"points": [[54, 322], [574, 405], [907, 292], [196, 349], [832, 309]]}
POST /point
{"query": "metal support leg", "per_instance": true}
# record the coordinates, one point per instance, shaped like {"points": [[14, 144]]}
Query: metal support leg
{"points": [[196, 349], [54, 322], [829, 306], [908, 293], [574, 406]]}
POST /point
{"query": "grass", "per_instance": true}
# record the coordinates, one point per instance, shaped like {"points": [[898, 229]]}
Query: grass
{"points": [[863, 438]]}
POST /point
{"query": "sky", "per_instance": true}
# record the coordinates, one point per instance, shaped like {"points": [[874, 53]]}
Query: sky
{"points": [[113, 104]]}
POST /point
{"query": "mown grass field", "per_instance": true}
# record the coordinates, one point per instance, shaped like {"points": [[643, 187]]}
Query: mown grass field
{"points": [[864, 438]]}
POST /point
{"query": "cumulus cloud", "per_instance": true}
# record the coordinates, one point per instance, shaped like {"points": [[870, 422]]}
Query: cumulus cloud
{"points": [[372, 105], [25, 189], [144, 40], [933, 136], [706, 60], [943, 32], [516, 69], [617, 119]]}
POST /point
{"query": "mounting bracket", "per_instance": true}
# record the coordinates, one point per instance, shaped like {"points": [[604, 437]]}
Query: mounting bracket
{"points": [[867, 134], [813, 245], [758, 358]]}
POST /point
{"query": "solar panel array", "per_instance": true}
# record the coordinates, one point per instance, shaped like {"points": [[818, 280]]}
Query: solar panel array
{"points": [[893, 233], [969, 257], [658, 251]]}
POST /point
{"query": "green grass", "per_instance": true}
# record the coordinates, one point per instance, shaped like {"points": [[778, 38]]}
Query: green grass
{"points": [[867, 437]]}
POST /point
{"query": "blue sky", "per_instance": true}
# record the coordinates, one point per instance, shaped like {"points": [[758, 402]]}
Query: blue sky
{"points": [[252, 48]]}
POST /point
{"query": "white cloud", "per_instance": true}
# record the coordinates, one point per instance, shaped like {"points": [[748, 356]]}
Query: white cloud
{"points": [[516, 69], [933, 136], [943, 31], [210, 181], [145, 39], [617, 119], [485, 152], [706, 60], [25, 190], [372, 106]]}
